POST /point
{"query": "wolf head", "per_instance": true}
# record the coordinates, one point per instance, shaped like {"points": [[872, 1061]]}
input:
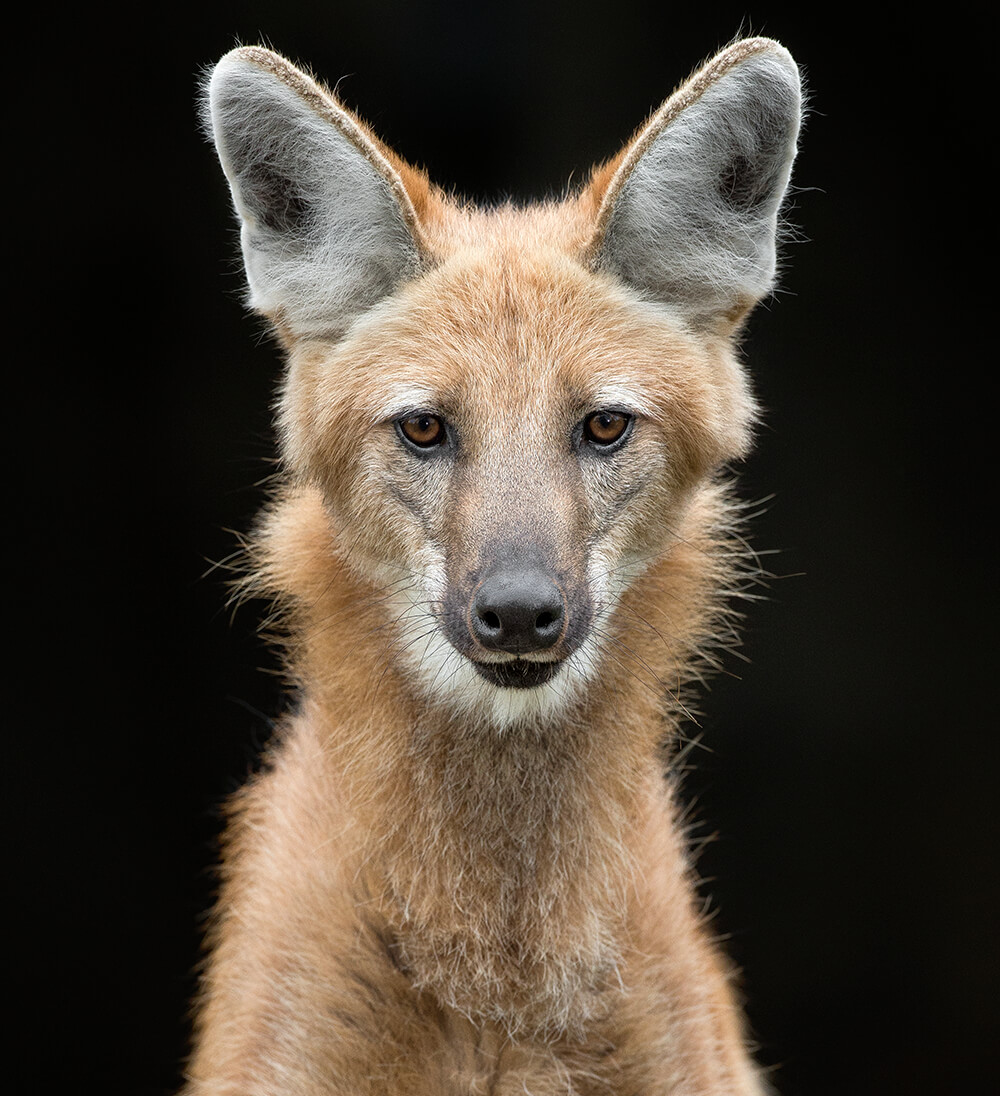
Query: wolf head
{"points": [[509, 412]]}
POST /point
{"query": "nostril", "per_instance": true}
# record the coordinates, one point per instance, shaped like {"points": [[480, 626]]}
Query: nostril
{"points": [[545, 620], [490, 620]]}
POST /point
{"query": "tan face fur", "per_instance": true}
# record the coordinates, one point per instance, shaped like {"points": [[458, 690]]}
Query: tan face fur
{"points": [[512, 344]]}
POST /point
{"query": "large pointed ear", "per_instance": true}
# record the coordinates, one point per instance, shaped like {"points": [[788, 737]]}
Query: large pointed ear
{"points": [[688, 211], [328, 228]]}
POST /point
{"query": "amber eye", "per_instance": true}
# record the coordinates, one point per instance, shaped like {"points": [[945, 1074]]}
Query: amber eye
{"points": [[423, 430], [604, 428]]}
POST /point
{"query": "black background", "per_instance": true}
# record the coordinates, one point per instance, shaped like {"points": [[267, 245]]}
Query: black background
{"points": [[848, 767]]}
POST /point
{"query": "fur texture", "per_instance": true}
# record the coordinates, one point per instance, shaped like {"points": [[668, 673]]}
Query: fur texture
{"points": [[460, 870]]}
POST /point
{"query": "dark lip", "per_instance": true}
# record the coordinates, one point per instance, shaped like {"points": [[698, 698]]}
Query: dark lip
{"points": [[518, 674]]}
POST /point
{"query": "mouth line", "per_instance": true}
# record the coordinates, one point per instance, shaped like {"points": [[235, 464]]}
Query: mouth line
{"points": [[518, 673]]}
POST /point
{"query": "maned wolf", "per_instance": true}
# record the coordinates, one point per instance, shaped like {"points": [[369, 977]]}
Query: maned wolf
{"points": [[501, 553]]}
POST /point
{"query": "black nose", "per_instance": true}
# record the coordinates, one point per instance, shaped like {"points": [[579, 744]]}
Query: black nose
{"points": [[517, 611]]}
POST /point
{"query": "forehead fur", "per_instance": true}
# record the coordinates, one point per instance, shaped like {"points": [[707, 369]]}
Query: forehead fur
{"points": [[509, 317]]}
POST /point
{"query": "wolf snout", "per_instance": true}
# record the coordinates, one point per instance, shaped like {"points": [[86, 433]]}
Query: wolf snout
{"points": [[518, 611]]}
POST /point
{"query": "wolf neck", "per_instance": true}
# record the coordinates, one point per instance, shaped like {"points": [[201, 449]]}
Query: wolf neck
{"points": [[507, 869], [501, 860]]}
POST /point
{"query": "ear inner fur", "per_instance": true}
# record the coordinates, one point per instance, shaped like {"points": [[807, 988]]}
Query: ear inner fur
{"points": [[328, 224], [385, 161], [708, 293], [609, 187]]}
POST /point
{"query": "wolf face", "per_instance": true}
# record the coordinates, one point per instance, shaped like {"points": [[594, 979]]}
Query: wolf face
{"points": [[508, 411]]}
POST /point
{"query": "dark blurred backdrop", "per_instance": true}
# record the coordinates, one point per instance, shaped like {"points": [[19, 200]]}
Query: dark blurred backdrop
{"points": [[848, 766]]}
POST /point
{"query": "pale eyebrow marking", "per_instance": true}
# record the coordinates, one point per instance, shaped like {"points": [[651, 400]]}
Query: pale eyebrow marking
{"points": [[624, 396], [403, 398]]}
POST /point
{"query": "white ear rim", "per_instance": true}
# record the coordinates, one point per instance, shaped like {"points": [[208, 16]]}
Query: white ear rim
{"points": [[354, 238], [665, 226]]}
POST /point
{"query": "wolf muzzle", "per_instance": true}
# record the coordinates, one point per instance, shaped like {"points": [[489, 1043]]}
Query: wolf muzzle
{"points": [[521, 605]]}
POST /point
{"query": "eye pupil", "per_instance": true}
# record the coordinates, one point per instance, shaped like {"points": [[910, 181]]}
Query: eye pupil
{"points": [[605, 427], [423, 430]]}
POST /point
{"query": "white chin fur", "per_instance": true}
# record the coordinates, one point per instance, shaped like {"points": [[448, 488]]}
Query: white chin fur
{"points": [[448, 679]]}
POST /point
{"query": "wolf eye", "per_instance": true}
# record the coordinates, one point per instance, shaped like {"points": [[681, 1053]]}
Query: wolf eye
{"points": [[423, 430], [604, 428]]}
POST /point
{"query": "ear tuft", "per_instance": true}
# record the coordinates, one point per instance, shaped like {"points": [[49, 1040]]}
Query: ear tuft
{"points": [[689, 215], [327, 227]]}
